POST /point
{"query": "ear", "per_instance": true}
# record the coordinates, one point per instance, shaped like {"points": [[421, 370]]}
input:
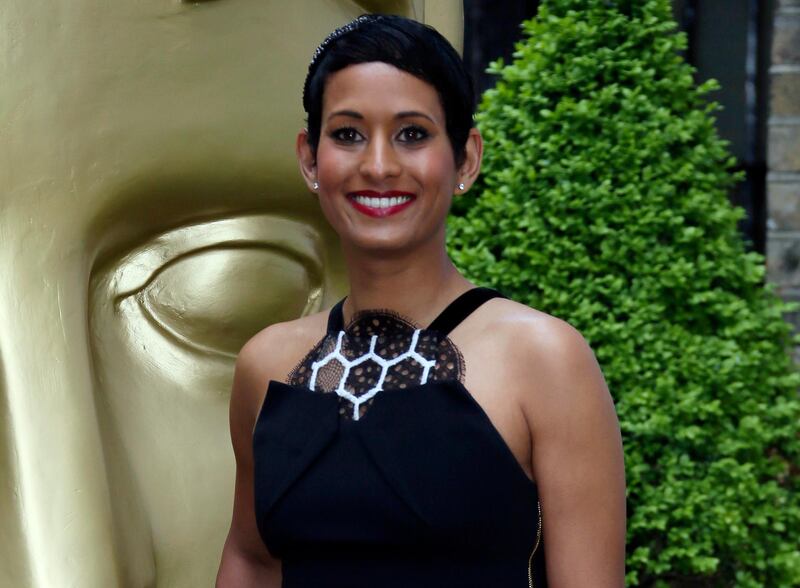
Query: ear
{"points": [[306, 159], [469, 170]]}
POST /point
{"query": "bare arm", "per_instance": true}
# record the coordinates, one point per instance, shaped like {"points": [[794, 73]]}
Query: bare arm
{"points": [[245, 561], [577, 461]]}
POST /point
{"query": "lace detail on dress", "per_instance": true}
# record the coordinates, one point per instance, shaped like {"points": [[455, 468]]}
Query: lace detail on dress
{"points": [[377, 351]]}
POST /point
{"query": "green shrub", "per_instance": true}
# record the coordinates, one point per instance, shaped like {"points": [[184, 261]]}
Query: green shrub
{"points": [[603, 201]]}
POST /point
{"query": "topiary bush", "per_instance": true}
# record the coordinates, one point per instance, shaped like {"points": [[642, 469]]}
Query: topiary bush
{"points": [[603, 201]]}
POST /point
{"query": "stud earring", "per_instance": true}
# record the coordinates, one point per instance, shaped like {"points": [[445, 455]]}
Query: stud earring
{"points": [[461, 186], [316, 185]]}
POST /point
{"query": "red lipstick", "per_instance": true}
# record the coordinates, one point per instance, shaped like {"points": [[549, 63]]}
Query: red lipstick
{"points": [[380, 204]]}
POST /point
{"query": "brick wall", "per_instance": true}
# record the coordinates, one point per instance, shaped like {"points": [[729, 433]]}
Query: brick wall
{"points": [[783, 157]]}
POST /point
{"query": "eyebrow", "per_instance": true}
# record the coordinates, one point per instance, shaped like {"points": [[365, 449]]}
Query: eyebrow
{"points": [[399, 115]]}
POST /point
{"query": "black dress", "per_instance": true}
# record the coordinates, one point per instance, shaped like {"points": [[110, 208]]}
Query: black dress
{"points": [[375, 467]]}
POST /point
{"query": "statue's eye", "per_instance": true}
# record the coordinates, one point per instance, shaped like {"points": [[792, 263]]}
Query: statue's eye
{"points": [[219, 297], [210, 287]]}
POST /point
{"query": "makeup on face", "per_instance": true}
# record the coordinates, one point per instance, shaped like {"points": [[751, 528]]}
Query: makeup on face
{"points": [[384, 162]]}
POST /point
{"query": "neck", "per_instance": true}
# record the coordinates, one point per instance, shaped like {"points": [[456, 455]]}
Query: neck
{"points": [[416, 285]]}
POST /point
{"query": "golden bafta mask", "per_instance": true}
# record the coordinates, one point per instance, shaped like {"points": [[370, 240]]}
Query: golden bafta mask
{"points": [[152, 218]]}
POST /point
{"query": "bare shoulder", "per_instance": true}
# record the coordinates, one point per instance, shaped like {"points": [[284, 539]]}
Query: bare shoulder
{"points": [[531, 333], [271, 354], [549, 360], [276, 349]]}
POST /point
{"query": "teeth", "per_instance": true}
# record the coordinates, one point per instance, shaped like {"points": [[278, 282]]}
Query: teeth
{"points": [[375, 202]]}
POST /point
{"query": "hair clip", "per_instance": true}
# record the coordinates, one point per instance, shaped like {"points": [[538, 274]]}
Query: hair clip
{"points": [[340, 32]]}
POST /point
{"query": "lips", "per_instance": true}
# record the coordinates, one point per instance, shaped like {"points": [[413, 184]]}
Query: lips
{"points": [[380, 204]]}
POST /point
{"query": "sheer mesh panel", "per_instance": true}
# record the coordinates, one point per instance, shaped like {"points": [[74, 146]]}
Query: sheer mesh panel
{"points": [[377, 351]]}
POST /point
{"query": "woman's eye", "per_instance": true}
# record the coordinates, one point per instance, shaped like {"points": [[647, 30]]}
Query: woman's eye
{"points": [[413, 134], [346, 135]]}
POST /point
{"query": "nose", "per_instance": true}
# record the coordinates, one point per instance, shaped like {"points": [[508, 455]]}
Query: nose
{"points": [[380, 160], [56, 495]]}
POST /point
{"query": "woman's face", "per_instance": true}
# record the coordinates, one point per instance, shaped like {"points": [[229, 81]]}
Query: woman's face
{"points": [[385, 164]]}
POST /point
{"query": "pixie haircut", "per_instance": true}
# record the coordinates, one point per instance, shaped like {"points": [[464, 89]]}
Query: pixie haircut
{"points": [[407, 45]]}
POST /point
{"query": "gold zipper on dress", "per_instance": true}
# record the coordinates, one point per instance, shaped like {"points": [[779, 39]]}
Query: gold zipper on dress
{"points": [[535, 546]]}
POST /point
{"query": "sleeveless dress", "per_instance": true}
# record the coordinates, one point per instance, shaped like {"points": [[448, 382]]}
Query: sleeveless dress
{"points": [[375, 467]]}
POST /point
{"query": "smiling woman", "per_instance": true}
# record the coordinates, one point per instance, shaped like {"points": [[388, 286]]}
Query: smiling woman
{"points": [[392, 133], [424, 431]]}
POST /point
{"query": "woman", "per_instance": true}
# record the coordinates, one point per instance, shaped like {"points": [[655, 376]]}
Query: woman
{"points": [[446, 439]]}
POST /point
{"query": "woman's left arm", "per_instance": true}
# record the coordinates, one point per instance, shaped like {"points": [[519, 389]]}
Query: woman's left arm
{"points": [[577, 458]]}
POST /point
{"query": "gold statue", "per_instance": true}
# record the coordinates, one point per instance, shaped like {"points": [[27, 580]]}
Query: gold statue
{"points": [[152, 218]]}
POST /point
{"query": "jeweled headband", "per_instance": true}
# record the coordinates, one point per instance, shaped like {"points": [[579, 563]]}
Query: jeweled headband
{"points": [[330, 39]]}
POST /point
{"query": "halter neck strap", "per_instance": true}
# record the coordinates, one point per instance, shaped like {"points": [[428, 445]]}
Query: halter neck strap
{"points": [[336, 317], [461, 308], [452, 316]]}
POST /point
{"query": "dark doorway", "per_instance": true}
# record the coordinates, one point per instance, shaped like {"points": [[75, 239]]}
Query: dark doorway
{"points": [[491, 27]]}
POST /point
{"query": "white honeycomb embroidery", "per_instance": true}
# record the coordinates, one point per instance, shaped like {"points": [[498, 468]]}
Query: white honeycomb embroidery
{"points": [[348, 364]]}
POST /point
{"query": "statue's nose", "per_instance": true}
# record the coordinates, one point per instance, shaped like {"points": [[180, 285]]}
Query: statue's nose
{"points": [[54, 494]]}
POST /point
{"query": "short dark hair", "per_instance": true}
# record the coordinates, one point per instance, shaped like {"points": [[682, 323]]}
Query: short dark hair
{"points": [[406, 44]]}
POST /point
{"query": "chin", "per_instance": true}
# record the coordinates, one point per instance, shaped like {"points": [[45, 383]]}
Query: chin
{"points": [[386, 244]]}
